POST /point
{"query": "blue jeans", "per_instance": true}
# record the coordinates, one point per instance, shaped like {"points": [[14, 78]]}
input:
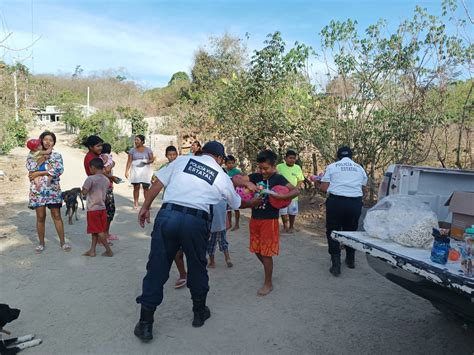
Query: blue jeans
{"points": [[217, 237], [172, 230]]}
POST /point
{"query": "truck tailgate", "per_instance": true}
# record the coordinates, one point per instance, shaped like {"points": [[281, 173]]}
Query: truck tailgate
{"points": [[413, 260]]}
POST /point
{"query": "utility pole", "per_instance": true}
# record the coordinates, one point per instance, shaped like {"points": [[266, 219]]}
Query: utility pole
{"points": [[87, 110], [16, 93]]}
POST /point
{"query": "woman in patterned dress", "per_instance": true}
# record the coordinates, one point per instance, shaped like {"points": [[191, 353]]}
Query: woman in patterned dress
{"points": [[48, 192]]}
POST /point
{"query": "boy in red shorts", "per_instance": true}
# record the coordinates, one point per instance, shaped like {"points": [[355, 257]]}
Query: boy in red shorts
{"points": [[95, 188], [264, 228]]}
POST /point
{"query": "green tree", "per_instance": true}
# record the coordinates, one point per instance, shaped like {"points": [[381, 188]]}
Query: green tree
{"points": [[222, 59], [385, 112], [136, 118], [178, 77], [104, 124], [269, 105], [77, 71], [14, 134]]}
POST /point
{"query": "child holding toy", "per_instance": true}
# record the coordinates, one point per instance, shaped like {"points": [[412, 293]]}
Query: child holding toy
{"points": [[264, 229]]}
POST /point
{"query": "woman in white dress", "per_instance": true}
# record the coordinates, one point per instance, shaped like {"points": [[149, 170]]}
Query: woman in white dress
{"points": [[139, 163]]}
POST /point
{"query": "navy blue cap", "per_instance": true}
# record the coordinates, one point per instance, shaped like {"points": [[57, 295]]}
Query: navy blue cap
{"points": [[214, 148], [344, 152]]}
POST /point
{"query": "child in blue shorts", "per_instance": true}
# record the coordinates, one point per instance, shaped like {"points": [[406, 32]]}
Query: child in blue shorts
{"points": [[218, 234]]}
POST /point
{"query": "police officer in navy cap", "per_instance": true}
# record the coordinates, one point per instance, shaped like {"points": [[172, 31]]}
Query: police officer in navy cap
{"points": [[193, 185], [344, 181]]}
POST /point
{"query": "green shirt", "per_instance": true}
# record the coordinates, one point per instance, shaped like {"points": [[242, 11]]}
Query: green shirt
{"points": [[293, 174], [233, 172], [163, 166]]}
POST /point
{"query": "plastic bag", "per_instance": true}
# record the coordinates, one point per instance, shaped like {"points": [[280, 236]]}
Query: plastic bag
{"points": [[403, 219]]}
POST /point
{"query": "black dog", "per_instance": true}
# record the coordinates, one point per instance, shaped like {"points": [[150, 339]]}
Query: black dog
{"points": [[13, 345], [70, 198]]}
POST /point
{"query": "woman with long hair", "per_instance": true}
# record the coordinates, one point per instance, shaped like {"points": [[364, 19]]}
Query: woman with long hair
{"points": [[45, 191], [94, 145]]}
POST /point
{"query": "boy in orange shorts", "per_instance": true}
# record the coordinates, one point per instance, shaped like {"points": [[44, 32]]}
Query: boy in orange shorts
{"points": [[95, 188], [264, 228]]}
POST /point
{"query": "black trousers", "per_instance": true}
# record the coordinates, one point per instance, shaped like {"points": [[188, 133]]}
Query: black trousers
{"points": [[342, 214], [172, 230]]}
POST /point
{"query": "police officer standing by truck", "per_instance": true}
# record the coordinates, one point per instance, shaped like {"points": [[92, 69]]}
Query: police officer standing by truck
{"points": [[193, 185], [343, 181]]}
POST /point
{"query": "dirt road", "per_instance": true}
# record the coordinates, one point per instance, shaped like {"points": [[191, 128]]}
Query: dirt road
{"points": [[80, 305]]}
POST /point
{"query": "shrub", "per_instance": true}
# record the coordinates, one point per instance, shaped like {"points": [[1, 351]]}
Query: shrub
{"points": [[104, 124], [14, 134]]}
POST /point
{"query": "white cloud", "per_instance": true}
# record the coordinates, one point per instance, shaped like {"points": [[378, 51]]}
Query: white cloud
{"points": [[70, 38]]}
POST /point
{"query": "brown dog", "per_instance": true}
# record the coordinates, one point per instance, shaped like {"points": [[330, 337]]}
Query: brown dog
{"points": [[70, 198]]}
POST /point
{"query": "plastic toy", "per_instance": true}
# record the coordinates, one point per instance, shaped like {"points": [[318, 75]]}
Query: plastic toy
{"points": [[454, 255], [276, 203], [314, 178], [244, 193]]}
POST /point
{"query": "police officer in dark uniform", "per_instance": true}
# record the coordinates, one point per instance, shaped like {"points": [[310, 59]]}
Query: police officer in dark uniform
{"points": [[344, 181], [193, 184]]}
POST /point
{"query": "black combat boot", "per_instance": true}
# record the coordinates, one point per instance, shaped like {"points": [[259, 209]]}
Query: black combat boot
{"points": [[144, 327], [201, 312], [350, 258], [336, 265]]}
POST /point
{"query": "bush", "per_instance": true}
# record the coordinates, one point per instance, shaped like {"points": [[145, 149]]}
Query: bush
{"points": [[136, 118], [14, 135], [72, 118], [104, 124]]}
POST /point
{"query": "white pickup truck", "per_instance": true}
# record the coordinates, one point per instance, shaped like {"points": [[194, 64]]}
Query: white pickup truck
{"points": [[444, 286]]}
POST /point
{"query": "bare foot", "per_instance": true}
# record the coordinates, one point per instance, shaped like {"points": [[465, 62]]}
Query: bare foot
{"points": [[89, 253], [235, 228], [265, 290], [108, 253], [229, 263], [212, 266]]}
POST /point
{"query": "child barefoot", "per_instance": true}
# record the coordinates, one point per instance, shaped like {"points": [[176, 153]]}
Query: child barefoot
{"points": [[218, 232], [40, 156], [95, 188], [264, 229]]}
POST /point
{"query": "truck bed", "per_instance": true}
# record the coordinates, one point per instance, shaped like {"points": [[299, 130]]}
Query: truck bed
{"points": [[412, 260]]}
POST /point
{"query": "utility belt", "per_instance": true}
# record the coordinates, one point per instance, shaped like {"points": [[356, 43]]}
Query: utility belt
{"points": [[337, 197], [186, 210]]}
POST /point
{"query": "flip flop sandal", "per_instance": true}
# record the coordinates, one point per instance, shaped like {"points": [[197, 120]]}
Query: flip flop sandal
{"points": [[39, 249], [112, 237], [180, 283], [66, 247]]}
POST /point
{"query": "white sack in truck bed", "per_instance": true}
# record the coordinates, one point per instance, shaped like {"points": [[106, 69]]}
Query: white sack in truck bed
{"points": [[403, 219]]}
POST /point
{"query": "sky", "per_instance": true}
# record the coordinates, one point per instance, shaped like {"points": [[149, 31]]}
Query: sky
{"points": [[154, 39]]}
